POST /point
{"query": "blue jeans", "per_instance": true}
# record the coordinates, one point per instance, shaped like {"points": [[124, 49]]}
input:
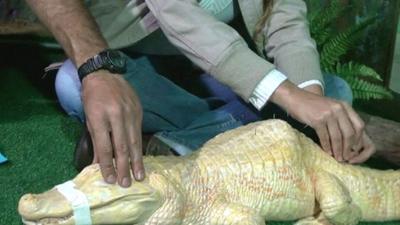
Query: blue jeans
{"points": [[180, 119]]}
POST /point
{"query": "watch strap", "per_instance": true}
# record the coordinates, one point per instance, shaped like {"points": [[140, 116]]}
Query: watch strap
{"points": [[91, 65]]}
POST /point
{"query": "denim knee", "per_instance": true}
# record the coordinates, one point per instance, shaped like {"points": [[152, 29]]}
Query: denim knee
{"points": [[337, 88], [68, 88]]}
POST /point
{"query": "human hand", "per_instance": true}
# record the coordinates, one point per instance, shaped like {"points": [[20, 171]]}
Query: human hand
{"points": [[363, 150], [337, 125], [114, 118], [367, 150]]}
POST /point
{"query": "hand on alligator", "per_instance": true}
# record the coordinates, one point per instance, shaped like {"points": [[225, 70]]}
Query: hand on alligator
{"points": [[359, 152], [337, 125], [255, 173], [114, 119]]}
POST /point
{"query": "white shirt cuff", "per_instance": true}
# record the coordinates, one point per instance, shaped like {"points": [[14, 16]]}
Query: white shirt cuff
{"points": [[311, 82], [266, 88]]}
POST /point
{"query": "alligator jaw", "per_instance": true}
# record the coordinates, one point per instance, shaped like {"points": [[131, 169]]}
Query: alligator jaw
{"points": [[45, 221], [107, 202]]}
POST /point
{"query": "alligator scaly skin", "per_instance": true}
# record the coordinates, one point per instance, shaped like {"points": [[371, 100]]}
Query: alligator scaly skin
{"points": [[263, 171]]}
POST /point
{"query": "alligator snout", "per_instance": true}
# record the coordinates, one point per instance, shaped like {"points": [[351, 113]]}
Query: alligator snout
{"points": [[27, 205], [41, 207]]}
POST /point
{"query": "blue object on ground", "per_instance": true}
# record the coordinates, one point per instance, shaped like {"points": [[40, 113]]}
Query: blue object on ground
{"points": [[2, 159]]}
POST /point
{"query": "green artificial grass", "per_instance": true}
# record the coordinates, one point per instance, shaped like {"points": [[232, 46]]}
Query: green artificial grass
{"points": [[39, 140]]}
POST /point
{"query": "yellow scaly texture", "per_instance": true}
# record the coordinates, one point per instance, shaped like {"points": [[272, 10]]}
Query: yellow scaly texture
{"points": [[259, 172]]}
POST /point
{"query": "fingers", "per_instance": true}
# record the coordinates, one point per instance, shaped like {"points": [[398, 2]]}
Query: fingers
{"points": [[348, 134], [357, 122], [121, 149], [323, 135], [363, 156], [110, 104], [126, 143], [337, 125], [338, 128], [353, 154], [368, 150], [336, 139], [358, 125], [136, 153], [104, 152]]}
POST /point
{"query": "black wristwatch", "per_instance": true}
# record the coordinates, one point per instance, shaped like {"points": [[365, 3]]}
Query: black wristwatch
{"points": [[111, 60]]}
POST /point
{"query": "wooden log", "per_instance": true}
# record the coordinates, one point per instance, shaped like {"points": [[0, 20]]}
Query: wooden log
{"points": [[386, 136]]}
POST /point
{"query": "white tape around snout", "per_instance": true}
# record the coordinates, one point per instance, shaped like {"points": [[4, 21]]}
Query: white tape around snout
{"points": [[79, 202]]}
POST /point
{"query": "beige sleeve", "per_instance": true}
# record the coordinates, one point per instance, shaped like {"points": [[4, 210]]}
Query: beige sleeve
{"points": [[289, 43], [212, 45]]}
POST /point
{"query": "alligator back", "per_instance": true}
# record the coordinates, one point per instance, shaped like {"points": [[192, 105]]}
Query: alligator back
{"points": [[271, 167], [260, 165]]}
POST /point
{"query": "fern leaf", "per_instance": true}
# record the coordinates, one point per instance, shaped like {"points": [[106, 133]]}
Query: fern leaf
{"points": [[341, 43], [313, 8], [322, 37], [365, 90], [353, 69], [334, 49], [322, 18]]}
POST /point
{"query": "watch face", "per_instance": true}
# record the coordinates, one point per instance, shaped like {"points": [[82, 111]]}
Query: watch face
{"points": [[117, 61]]}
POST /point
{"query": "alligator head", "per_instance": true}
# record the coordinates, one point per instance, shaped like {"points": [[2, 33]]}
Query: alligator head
{"points": [[109, 204]]}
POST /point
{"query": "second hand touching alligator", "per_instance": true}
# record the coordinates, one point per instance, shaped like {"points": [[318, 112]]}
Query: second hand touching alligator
{"points": [[260, 172]]}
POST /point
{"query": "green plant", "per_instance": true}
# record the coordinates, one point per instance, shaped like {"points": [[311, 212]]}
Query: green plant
{"points": [[365, 82]]}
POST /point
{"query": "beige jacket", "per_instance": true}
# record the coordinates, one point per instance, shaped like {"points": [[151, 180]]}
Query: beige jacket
{"points": [[215, 46]]}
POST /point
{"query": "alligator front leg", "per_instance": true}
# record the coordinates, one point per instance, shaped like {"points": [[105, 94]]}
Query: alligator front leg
{"points": [[223, 213], [334, 200]]}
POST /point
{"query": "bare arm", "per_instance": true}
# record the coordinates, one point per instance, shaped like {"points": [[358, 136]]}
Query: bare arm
{"points": [[112, 108], [289, 44], [225, 55], [73, 27]]}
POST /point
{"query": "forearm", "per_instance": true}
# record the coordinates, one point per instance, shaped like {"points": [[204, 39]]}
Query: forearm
{"points": [[284, 94], [272, 81], [73, 27], [315, 88]]}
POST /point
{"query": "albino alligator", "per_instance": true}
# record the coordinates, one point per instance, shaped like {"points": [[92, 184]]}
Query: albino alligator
{"points": [[259, 172]]}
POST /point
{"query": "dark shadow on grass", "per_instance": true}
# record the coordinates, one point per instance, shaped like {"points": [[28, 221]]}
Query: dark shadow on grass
{"points": [[31, 59], [25, 93], [71, 129]]}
